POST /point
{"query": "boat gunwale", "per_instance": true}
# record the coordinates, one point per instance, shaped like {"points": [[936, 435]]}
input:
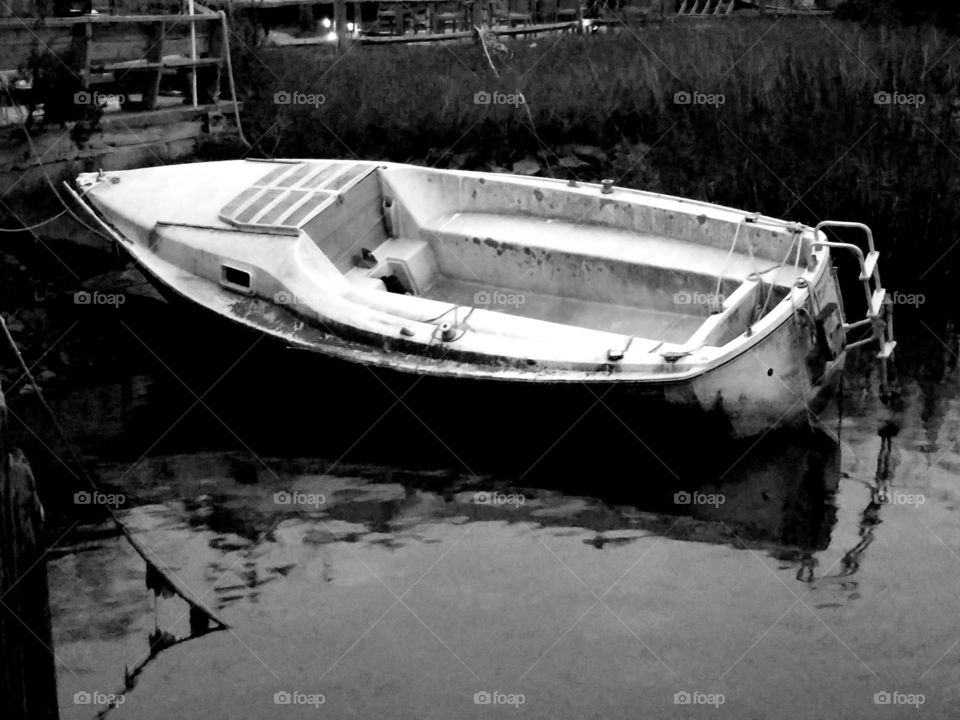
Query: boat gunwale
{"points": [[757, 217]]}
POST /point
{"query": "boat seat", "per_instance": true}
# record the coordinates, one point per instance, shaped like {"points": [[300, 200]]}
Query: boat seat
{"points": [[615, 244], [410, 260]]}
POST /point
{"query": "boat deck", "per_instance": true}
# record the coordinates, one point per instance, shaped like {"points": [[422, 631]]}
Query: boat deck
{"points": [[637, 322]]}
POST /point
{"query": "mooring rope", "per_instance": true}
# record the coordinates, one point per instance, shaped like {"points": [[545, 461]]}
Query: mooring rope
{"points": [[28, 228], [233, 87], [39, 159], [159, 579], [43, 169]]}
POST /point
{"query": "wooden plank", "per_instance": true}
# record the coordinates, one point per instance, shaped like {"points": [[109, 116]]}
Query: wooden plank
{"points": [[28, 680], [39, 23], [533, 29], [403, 39], [164, 133], [167, 62], [127, 140], [110, 43], [440, 37], [162, 116]]}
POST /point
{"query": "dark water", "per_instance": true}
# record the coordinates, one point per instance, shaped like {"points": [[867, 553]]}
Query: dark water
{"points": [[804, 577]]}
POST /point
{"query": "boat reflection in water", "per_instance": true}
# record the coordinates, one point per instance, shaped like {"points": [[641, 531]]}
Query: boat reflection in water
{"points": [[205, 498], [777, 492]]}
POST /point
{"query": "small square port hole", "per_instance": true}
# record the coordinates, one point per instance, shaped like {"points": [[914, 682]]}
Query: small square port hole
{"points": [[233, 276]]}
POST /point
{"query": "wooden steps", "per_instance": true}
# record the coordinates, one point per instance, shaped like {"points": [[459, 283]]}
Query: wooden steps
{"points": [[124, 55]]}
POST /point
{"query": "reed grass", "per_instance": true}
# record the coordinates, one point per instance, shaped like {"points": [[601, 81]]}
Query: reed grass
{"points": [[799, 133]]}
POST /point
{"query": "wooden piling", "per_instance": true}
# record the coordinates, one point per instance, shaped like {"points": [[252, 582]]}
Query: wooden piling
{"points": [[28, 679], [340, 25], [306, 19]]}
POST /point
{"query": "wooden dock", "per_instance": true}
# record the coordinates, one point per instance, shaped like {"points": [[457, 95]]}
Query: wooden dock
{"points": [[94, 91], [118, 141], [119, 55], [28, 679], [375, 22]]}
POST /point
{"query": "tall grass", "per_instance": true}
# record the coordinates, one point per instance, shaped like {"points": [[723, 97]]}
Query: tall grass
{"points": [[798, 134]]}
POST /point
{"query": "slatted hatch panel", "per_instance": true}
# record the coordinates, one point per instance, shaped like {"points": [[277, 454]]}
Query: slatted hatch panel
{"points": [[292, 194]]}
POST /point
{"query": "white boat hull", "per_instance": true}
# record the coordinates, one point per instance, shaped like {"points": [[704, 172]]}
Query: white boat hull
{"points": [[777, 373]]}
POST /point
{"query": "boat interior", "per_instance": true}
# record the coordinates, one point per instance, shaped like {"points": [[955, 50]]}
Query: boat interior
{"points": [[581, 255]]}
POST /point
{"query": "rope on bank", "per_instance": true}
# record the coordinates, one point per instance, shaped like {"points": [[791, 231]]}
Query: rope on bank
{"points": [[159, 579], [484, 41]]}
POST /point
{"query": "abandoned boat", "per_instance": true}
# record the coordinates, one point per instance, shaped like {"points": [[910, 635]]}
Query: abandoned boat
{"points": [[505, 280]]}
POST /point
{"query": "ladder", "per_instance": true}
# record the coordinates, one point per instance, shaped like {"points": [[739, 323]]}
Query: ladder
{"points": [[879, 316]]}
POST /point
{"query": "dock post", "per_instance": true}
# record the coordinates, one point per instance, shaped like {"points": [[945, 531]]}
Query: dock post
{"points": [[87, 53], [477, 17], [306, 20], [193, 55], [340, 24], [28, 674]]}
